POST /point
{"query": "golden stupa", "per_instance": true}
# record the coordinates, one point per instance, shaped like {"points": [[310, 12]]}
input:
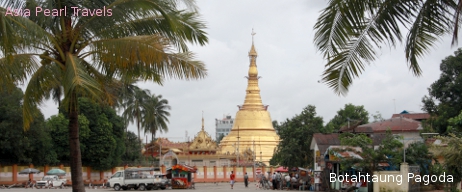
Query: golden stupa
{"points": [[203, 142], [252, 128]]}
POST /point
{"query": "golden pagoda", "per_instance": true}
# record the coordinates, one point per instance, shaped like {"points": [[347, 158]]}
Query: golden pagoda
{"points": [[203, 143], [252, 129]]}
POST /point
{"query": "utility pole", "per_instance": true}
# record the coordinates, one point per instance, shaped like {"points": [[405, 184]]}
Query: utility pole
{"points": [[254, 159], [160, 152]]}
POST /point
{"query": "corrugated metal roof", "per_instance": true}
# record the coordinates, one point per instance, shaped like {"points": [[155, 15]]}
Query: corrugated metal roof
{"points": [[326, 140], [397, 124]]}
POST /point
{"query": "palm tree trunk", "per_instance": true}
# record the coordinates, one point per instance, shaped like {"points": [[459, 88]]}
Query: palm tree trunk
{"points": [[138, 125], [74, 142]]}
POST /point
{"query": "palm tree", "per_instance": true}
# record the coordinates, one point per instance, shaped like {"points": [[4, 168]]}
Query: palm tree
{"points": [[156, 115], [84, 54], [135, 104], [348, 32]]}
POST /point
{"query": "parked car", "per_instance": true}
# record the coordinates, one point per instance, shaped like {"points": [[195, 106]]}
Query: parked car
{"points": [[51, 181]]}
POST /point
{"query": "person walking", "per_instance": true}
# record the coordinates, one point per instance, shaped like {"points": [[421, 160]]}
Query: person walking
{"points": [[246, 180], [274, 181], [232, 177], [287, 179], [278, 180]]}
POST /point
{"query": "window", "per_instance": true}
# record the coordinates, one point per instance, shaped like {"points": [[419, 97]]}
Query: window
{"points": [[231, 122], [116, 175]]}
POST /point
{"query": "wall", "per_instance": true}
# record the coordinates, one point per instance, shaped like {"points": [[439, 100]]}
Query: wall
{"points": [[390, 184], [9, 174]]}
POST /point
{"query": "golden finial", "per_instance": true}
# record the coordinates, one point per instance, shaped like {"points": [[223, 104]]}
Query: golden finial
{"points": [[252, 52], [202, 120], [253, 34]]}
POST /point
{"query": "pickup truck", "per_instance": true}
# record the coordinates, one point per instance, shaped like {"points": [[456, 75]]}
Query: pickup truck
{"points": [[50, 181], [137, 178]]}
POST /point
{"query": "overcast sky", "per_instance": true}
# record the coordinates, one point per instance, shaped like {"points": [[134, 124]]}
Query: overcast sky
{"points": [[289, 65]]}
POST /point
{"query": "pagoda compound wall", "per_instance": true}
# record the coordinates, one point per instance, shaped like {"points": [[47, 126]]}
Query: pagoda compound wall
{"points": [[9, 174]]}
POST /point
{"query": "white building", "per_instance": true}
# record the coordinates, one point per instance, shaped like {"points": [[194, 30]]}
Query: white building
{"points": [[223, 126]]}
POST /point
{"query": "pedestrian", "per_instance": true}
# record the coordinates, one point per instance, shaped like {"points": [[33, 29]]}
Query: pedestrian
{"points": [[287, 178], [278, 180], [246, 180], [274, 181], [232, 177]]}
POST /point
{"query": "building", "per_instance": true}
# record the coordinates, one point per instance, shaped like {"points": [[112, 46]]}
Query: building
{"points": [[201, 151], [223, 126], [252, 129], [321, 143], [410, 115]]}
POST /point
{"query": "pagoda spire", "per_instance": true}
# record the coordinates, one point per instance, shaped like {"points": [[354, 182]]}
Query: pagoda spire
{"points": [[202, 120], [252, 98]]}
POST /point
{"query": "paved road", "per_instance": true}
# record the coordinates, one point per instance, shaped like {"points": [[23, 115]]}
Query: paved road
{"points": [[238, 187]]}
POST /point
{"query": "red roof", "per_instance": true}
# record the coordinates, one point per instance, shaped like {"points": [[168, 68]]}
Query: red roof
{"points": [[396, 125], [168, 144], [415, 116], [184, 168]]}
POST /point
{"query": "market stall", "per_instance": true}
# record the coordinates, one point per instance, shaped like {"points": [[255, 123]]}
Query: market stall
{"points": [[182, 176]]}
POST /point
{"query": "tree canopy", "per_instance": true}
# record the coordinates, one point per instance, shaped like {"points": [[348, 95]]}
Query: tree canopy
{"points": [[388, 151], [452, 157], [350, 114], [349, 32], [17, 145], [296, 134], [102, 135], [444, 100], [94, 55]]}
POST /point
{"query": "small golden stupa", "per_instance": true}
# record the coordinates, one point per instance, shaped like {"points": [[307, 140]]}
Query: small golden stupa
{"points": [[203, 142], [252, 128]]}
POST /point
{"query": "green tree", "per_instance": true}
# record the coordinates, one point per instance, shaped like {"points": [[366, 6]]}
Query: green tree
{"points": [[132, 148], [83, 55], [417, 154], [444, 99], [16, 145], [135, 105], [106, 137], [377, 117], [452, 157], [455, 125], [349, 32], [389, 151], [220, 137], [156, 115], [296, 134], [58, 126], [102, 135], [350, 114]]}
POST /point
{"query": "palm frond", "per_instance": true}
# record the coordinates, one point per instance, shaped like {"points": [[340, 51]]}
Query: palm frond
{"points": [[77, 80], [432, 21], [15, 68], [348, 32], [42, 82], [146, 58], [21, 35]]}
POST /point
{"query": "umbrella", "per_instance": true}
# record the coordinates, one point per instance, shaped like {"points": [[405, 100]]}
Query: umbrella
{"points": [[56, 172], [281, 169], [29, 171]]}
